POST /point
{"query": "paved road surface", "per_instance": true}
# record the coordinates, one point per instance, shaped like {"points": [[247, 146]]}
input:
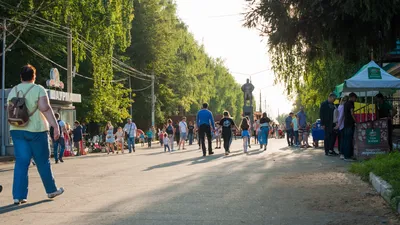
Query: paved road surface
{"points": [[280, 186]]}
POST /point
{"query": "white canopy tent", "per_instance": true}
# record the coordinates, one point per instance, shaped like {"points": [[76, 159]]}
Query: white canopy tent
{"points": [[371, 77]]}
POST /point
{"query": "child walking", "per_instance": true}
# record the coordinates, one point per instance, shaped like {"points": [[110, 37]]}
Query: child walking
{"points": [[149, 134], [166, 143], [120, 140], [218, 136], [142, 139], [244, 126]]}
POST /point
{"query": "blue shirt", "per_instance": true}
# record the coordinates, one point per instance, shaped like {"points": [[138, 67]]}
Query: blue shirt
{"points": [[302, 119], [288, 122], [204, 116]]}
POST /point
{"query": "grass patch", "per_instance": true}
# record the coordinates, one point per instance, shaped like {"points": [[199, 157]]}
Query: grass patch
{"points": [[386, 166]]}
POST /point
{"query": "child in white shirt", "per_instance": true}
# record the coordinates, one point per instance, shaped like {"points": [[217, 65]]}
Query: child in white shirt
{"points": [[166, 143]]}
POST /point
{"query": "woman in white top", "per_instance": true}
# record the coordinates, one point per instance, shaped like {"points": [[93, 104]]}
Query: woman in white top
{"points": [[110, 138], [296, 130]]}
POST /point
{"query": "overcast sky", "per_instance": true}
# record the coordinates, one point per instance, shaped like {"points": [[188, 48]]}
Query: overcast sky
{"points": [[218, 25]]}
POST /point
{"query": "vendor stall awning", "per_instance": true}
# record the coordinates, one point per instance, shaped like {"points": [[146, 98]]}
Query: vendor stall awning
{"points": [[371, 77]]}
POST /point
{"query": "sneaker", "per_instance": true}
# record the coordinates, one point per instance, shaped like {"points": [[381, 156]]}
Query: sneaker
{"points": [[20, 201], [341, 156], [249, 146], [328, 154], [61, 160], [211, 153], [226, 153], [1, 188], [60, 191], [56, 161], [333, 153]]}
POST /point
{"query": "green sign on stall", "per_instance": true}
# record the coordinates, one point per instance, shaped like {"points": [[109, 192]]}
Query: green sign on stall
{"points": [[373, 136], [374, 73]]}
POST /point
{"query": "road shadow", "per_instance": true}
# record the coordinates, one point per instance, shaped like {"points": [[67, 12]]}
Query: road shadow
{"points": [[13, 207], [192, 161]]}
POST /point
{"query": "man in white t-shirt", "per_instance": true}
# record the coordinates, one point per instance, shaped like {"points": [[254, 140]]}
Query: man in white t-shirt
{"points": [[183, 129], [130, 130]]}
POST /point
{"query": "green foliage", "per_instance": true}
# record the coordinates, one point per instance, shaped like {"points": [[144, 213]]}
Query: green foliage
{"points": [[185, 75], [154, 41], [315, 45], [281, 119], [386, 166], [104, 26]]}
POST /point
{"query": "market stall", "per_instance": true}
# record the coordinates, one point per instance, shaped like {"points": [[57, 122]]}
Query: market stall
{"points": [[371, 136]]}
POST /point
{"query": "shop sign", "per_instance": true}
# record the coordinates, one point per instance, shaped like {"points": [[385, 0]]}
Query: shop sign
{"points": [[64, 96], [373, 136], [374, 73]]}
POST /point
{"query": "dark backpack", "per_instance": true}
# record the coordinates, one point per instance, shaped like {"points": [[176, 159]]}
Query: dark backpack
{"points": [[18, 114], [52, 130], [170, 129]]}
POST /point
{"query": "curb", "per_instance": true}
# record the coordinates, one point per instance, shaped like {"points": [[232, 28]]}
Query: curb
{"points": [[385, 190]]}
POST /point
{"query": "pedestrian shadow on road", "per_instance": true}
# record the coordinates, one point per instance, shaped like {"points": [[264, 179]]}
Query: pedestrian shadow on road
{"points": [[195, 160], [12, 207], [174, 152]]}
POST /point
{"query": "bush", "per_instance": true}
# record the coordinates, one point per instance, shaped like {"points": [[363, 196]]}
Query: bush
{"points": [[386, 166]]}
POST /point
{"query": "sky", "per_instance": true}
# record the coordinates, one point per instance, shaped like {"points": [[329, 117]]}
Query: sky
{"points": [[218, 24]]}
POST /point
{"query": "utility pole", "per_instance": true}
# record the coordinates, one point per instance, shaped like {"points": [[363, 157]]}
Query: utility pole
{"points": [[130, 96], [3, 91], [260, 102], [69, 62], [153, 102]]}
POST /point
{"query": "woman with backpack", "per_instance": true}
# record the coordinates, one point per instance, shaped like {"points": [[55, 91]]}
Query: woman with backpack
{"points": [[29, 131], [170, 130]]}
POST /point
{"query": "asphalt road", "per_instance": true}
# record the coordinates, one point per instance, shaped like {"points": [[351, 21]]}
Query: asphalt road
{"points": [[279, 186]]}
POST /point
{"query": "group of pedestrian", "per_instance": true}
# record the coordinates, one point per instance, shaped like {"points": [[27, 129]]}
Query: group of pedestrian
{"points": [[297, 129], [339, 124]]}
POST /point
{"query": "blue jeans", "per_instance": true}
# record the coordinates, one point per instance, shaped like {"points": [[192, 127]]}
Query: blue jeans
{"points": [[296, 137], [28, 145], [166, 147], [190, 137], [131, 143], [60, 142]]}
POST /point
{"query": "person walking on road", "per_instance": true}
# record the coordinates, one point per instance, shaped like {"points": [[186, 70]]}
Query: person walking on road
{"points": [[60, 142], [77, 137], [245, 126], [326, 115], [295, 125], [227, 124], [289, 129], [110, 138], [302, 122], [177, 134], [203, 120], [166, 143], [183, 129], [256, 127], [120, 139], [170, 130], [264, 131], [149, 135], [31, 141], [130, 130], [191, 132]]}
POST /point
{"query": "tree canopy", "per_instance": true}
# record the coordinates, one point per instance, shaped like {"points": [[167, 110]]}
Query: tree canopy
{"points": [[316, 44], [109, 39]]}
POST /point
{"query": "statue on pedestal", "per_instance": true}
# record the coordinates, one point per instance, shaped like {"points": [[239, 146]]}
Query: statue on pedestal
{"points": [[248, 89]]}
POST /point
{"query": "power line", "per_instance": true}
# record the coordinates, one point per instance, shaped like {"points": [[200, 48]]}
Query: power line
{"points": [[143, 88], [36, 52]]}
